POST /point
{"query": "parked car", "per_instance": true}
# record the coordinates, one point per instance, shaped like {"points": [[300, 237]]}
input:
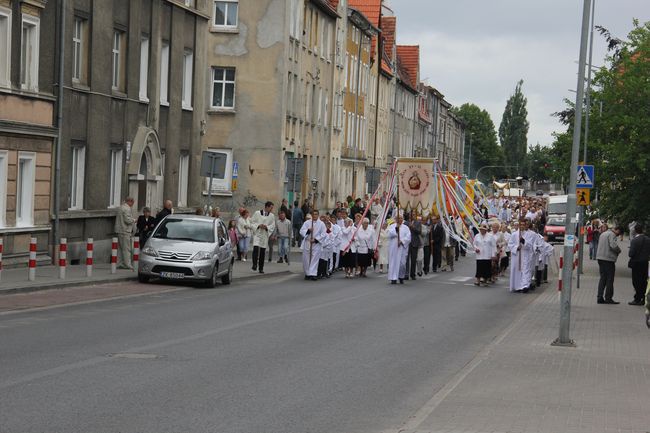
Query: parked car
{"points": [[554, 228], [188, 247]]}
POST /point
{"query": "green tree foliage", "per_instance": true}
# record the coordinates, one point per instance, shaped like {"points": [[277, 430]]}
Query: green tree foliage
{"points": [[619, 138], [480, 131], [540, 163], [513, 131]]}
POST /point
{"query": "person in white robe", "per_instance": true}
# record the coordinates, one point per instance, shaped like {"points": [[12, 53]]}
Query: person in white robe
{"points": [[313, 233], [383, 248], [263, 225], [326, 249], [347, 257], [336, 244], [485, 249], [399, 238], [364, 240], [522, 245]]}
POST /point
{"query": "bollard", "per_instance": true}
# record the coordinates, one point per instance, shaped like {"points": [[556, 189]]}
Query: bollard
{"points": [[114, 256], [1, 241], [63, 257], [32, 259], [136, 253], [559, 277], [89, 258]]}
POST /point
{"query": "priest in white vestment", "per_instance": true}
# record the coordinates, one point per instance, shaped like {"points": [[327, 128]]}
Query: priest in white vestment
{"points": [[313, 232], [399, 238], [522, 245]]}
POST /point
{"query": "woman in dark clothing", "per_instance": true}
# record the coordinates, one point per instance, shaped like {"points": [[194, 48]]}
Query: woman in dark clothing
{"points": [[145, 224]]}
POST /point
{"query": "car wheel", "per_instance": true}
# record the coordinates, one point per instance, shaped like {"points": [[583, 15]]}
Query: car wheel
{"points": [[226, 279], [212, 282], [143, 278]]}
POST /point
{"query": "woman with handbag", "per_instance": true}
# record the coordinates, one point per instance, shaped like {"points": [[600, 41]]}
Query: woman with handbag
{"points": [[364, 242]]}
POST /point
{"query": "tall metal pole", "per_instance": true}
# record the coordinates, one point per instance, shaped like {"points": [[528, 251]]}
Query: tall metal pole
{"points": [[569, 240], [584, 154], [59, 125]]}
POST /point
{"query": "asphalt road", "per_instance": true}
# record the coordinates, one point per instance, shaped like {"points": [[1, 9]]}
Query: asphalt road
{"points": [[276, 355]]}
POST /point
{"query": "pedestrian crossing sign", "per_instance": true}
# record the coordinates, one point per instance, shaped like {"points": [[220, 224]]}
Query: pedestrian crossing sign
{"points": [[583, 197], [585, 177]]}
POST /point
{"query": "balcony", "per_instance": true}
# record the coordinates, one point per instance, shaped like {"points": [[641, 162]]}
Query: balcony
{"points": [[351, 153]]}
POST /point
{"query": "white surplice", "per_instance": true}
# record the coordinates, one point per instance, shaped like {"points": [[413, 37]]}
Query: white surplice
{"points": [[312, 245], [398, 251], [520, 278]]}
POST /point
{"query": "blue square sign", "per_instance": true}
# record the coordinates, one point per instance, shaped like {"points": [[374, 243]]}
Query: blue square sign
{"points": [[585, 177]]}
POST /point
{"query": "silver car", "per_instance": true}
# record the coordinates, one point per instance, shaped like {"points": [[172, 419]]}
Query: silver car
{"points": [[188, 247]]}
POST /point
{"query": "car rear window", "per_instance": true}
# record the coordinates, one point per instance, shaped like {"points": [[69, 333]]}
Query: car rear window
{"points": [[555, 222], [185, 230]]}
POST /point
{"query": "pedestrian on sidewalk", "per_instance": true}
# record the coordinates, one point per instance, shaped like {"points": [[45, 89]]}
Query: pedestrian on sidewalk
{"points": [[607, 254], [297, 219], [283, 233], [639, 257], [124, 223], [145, 225], [244, 234], [263, 225], [166, 210]]}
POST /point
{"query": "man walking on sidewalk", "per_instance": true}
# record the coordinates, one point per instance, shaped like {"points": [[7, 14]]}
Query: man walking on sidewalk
{"points": [[639, 256], [124, 222], [608, 251]]}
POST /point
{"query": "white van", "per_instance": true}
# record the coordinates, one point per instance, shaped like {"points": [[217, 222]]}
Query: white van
{"points": [[557, 205]]}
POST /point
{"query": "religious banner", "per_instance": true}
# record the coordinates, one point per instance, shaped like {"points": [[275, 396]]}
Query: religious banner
{"points": [[416, 184]]}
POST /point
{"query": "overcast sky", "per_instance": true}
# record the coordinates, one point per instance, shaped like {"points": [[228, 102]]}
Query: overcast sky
{"points": [[476, 50]]}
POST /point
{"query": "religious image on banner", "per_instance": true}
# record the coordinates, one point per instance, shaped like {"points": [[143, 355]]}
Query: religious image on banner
{"points": [[415, 183]]}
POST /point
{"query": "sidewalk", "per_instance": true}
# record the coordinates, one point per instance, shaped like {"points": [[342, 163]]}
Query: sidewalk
{"points": [[15, 280], [520, 383]]}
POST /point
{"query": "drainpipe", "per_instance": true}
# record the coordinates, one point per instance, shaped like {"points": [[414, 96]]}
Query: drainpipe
{"points": [[59, 124], [380, 58], [356, 118]]}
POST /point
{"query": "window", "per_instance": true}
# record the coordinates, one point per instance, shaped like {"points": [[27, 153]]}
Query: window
{"points": [[80, 51], [225, 13], [5, 47], [164, 73], [183, 176], [4, 161], [188, 64], [115, 199], [223, 88], [77, 177], [119, 61], [29, 53], [25, 189], [144, 68], [223, 184]]}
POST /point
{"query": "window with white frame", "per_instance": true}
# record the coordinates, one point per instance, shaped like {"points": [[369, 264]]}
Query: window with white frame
{"points": [[223, 88], [188, 67], [5, 47], [4, 166], [25, 189], [221, 184], [144, 68], [119, 61], [77, 177], [29, 46], [115, 193], [164, 73], [225, 13], [80, 50], [183, 177]]}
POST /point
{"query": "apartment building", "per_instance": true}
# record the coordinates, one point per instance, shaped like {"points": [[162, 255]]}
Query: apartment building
{"points": [[27, 132]]}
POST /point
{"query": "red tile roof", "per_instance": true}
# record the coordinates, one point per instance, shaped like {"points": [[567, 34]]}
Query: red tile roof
{"points": [[408, 59], [334, 3], [388, 26], [370, 8]]}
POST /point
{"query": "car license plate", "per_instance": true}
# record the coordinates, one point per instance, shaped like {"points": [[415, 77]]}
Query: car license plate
{"points": [[172, 275]]}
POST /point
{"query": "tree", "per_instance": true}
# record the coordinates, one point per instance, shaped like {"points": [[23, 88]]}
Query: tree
{"points": [[513, 131], [481, 134], [620, 137], [540, 163]]}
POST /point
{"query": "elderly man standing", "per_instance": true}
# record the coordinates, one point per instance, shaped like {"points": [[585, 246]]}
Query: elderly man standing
{"points": [[607, 254], [263, 224], [124, 223]]}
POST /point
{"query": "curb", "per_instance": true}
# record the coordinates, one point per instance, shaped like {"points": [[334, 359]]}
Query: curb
{"points": [[78, 283]]}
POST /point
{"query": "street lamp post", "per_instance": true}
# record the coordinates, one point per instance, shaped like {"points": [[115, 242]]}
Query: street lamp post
{"points": [[469, 159], [569, 241]]}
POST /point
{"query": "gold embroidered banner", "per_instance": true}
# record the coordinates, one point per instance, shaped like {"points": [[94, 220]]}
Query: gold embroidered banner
{"points": [[416, 185]]}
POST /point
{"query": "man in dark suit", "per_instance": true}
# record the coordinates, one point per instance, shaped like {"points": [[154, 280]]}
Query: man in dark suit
{"points": [[639, 257], [416, 229], [166, 210], [436, 239]]}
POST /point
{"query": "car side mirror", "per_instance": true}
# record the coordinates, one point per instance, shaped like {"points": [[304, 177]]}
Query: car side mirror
{"points": [[222, 242]]}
